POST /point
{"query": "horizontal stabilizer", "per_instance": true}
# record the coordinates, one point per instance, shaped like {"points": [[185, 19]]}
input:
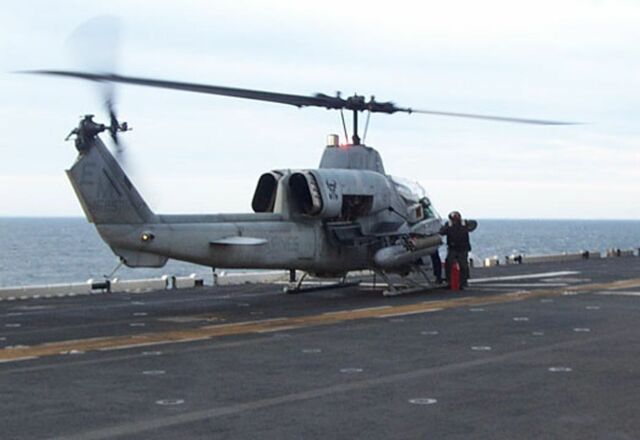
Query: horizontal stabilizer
{"points": [[239, 241]]}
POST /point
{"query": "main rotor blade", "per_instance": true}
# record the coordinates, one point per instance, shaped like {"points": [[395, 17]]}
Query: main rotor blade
{"points": [[281, 98], [491, 117], [356, 103]]}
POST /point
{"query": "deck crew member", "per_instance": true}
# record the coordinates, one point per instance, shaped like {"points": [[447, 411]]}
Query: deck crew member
{"points": [[458, 245]]}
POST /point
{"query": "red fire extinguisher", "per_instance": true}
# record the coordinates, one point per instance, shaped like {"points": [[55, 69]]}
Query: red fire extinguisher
{"points": [[455, 276]]}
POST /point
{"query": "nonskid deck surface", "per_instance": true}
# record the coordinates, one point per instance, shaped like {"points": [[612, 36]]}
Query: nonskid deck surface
{"points": [[530, 351]]}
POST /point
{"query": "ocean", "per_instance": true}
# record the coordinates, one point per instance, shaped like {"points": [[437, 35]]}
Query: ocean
{"points": [[60, 250]]}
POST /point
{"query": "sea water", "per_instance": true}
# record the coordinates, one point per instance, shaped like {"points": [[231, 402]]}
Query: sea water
{"points": [[61, 250]]}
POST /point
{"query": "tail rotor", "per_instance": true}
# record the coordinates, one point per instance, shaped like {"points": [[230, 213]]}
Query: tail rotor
{"points": [[116, 127], [95, 46]]}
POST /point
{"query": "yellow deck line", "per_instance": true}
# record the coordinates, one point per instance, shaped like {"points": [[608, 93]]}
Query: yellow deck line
{"points": [[411, 312], [268, 325]]}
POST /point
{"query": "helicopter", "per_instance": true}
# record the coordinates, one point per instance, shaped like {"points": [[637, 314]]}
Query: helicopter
{"points": [[347, 215]]}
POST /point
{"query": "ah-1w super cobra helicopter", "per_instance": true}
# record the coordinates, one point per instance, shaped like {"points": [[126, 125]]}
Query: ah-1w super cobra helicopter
{"points": [[347, 215]]}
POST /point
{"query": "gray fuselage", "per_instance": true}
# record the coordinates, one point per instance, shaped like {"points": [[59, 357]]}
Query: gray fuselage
{"points": [[326, 221]]}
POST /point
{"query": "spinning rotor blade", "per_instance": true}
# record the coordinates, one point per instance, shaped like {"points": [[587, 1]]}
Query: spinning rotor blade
{"points": [[95, 45], [491, 118], [281, 98], [114, 125], [355, 103]]}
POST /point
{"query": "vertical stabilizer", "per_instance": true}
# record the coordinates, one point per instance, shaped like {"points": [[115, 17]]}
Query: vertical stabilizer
{"points": [[105, 192]]}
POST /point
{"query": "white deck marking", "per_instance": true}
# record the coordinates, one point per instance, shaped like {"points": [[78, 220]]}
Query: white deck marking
{"points": [[524, 277], [618, 292], [351, 370], [560, 369], [567, 280], [170, 402], [26, 358], [521, 319], [526, 285], [423, 401]]}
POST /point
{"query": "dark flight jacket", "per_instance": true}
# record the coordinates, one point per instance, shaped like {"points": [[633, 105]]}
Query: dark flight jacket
{"points": [[458, 234]]}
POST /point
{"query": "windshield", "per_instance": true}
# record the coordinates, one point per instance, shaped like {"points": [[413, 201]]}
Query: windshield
{"points": [[411, 191]]}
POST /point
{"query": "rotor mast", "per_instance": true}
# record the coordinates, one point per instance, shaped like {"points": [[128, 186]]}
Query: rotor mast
{"points": [[355, 138]]}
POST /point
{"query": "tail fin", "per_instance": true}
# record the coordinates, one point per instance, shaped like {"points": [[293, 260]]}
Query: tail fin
{"points": [[106, 194]]}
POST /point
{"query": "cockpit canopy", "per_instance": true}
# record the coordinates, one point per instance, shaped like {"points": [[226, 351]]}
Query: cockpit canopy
{"points": [[415, 197], [411, 191]]}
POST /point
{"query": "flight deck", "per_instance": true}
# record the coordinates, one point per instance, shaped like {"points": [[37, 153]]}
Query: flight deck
{"points": [[533, 351]]}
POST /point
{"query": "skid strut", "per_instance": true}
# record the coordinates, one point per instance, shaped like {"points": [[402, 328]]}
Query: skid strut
{"points": [[397, 289], [298, 287]]}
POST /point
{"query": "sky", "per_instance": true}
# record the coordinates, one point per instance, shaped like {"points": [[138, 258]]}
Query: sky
{"points": [[189, 153]]}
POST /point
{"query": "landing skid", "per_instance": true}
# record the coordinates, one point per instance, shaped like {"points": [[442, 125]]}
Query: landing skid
{"points": [[294, 289], [412, 287], [407, 285]]}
